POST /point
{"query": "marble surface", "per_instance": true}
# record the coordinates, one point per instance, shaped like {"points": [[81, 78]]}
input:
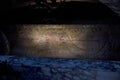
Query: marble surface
{"points": [[63, 69]]}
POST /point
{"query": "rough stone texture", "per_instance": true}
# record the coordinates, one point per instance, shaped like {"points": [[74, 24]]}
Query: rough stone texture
{"points": [[96, 41], [113, 4], [64, 69]]}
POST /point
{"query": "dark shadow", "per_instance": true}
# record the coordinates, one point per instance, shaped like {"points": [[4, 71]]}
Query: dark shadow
{"points": [[65, 13], [8, 73]]}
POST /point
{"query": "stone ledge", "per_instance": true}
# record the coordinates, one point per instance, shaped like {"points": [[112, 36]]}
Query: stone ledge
{"points": [[63, 69]]}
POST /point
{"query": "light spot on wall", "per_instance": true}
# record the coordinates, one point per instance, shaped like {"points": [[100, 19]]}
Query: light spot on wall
{"points": [[60, 40]]}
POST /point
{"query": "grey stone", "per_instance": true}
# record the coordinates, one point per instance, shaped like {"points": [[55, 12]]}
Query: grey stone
{"points": [[113, 4], [46, 71], [108, 76], [85, 70], [65, 78], [76, 78], [68, 75]]}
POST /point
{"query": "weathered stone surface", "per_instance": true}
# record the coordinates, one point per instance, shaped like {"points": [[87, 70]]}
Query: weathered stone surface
{"points": [[113, 4], [52, 68], [84, 41]]}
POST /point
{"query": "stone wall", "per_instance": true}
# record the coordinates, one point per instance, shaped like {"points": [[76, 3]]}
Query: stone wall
{"points": [[63, 69], [113, 4]]}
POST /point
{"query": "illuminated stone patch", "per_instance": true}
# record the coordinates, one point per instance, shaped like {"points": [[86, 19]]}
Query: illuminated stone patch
{"points": [[71, 41]]}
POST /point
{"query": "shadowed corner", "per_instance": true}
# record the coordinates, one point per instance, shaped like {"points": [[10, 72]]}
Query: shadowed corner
{"points": [[68, 12], [4, 44], [8, 73]]}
